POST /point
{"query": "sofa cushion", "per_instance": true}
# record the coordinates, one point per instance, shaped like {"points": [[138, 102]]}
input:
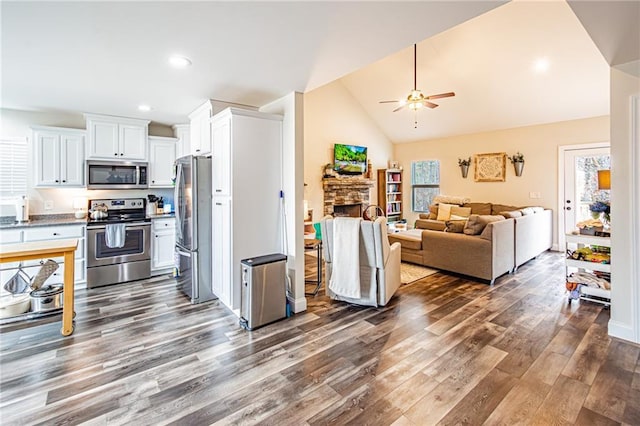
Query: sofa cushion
{"points": [[424, 215], [408, 240], [497, 208], [513, 214], [477, 222], [456, 226], [479, 208], [433, 211], [433, 225], [527, 211], [444, 211]]}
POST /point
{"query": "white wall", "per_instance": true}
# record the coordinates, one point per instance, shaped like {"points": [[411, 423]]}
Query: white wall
{"points": [[539, 144], [625, 208], [331, 115], [17, 124], [291, 107]]}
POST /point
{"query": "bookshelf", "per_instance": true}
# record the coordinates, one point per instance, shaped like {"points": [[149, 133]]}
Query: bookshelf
{"points": [[390, 193]]}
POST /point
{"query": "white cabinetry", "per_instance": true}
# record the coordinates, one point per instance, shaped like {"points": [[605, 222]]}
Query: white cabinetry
{"points": [[116, 138], [182, 133], [593, 294], [59, 156], [48, 233], [162, 155], [247, 169], [200, 130], [162, 245]]}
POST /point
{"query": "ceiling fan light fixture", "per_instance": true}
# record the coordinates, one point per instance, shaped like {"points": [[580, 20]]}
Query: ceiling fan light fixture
{"points": [[415, 105]]}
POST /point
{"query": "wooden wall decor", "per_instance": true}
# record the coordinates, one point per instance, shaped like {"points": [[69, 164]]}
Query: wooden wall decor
{"points": [[490, 167]]}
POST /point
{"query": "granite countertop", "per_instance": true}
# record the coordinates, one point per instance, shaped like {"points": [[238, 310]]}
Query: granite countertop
{"points": [[9, 222]]}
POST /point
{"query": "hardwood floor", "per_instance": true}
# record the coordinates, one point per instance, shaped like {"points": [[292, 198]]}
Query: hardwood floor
{"points": [[446, 350]]}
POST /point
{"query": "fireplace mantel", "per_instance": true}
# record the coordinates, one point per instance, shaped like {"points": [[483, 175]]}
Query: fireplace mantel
{"points": [[346, 191]]}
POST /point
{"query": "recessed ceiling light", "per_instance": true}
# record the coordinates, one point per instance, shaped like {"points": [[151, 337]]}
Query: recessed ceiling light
{"points": [[179, 61], [144, 108], [541, 65]]}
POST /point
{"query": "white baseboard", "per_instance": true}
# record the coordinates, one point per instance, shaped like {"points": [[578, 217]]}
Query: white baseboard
{"points": [[621, 331], [298, 305], [554, 247]]}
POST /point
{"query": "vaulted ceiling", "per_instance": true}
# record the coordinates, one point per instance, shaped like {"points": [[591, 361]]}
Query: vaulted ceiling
{"points": [[109, 57]]}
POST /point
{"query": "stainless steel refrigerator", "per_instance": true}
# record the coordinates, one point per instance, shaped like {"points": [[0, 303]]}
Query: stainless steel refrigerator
{"points": [[193, 227]]}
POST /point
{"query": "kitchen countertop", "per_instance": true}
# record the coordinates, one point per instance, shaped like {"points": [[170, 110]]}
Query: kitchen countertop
{"points": [[8, 222]]}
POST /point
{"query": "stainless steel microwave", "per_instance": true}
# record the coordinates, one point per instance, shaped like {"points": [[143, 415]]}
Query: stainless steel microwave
{"points": [[117, 175]]}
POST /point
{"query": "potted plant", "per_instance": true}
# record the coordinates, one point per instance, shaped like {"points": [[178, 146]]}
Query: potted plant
{"points": [[464, 166], [518, 163]]}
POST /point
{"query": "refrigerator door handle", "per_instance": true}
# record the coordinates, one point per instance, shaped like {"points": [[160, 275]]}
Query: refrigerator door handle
{"points": [[183, 253], [176, 196]]}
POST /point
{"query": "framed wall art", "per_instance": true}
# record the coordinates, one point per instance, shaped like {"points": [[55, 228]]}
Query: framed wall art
{"points": [[490, 167]]}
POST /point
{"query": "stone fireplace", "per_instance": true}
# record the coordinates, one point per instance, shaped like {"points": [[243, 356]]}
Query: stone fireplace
{"points": [[346, 196]]}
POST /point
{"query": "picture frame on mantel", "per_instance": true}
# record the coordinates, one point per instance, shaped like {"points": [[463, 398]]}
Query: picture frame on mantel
{"points": [[491, 167]]}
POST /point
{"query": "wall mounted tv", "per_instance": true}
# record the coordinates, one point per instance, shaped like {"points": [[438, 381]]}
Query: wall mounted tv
{"points": [[349, 159]]}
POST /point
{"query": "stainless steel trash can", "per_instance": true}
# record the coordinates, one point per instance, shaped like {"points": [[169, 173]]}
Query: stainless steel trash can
{"points": [[263, 297]]}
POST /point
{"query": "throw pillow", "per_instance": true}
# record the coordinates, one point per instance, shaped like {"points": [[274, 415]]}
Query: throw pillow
{"points": [[463, 212], [513, 214], [527, 211], [424, 216], [477, 222], [444, 211], [455, 226], [433, 211]]}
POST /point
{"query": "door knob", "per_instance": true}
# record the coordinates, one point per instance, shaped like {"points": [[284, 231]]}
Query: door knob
{"points": [[568, 208]]}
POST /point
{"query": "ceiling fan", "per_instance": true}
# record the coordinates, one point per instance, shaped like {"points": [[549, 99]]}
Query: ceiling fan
{"points": [[416, 100]]}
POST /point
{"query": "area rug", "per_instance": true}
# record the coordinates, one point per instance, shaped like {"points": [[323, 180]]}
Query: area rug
{"points": [[410, 273]]}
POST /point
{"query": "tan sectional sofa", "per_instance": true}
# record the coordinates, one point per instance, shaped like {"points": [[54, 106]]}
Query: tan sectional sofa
{"points": [[501, 247]]}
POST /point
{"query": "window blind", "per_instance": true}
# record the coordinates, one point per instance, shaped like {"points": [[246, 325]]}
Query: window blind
{"points": [[13, 166]]}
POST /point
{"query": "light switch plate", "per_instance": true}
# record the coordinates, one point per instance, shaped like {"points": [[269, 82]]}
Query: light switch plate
{"points": [[534, 195], [48, 205]]}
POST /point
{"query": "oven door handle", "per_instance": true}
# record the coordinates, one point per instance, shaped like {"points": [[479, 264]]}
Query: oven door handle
{"points": [[183, 253], [129, 225]]}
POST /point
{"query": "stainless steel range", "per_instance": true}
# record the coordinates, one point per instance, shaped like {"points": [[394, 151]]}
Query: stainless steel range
{"points": [[118, 245]]}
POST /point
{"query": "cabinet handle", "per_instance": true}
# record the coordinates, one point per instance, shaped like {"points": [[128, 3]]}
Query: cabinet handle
{"points": [[57, 181], [156, 236], [197, 150], [153, 181], [218, 204], [55, 234], [116, 154], [121, 154], [218, 190], [64, 181]]}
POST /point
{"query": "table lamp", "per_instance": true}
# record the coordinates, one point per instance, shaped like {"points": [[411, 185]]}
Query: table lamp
{"points": [[80, 204]]}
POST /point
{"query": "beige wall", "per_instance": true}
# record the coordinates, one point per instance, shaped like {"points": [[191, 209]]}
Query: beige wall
{"points": [[539, 144], [332, 115]]}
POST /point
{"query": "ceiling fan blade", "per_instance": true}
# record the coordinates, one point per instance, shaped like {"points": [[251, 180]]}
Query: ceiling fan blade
{"points": [[429, 104], [399, 108], [388, 102], [441, 95]]}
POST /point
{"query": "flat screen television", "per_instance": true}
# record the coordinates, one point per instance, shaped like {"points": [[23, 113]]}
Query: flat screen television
{"points": [[349, 159]]}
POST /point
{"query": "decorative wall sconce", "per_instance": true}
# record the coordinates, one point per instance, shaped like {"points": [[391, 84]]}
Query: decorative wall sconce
{"points": [[464, 166], [518, 163]]}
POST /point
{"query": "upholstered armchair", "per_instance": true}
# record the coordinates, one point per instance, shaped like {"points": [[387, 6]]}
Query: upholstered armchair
{"points": [[378, 262]]}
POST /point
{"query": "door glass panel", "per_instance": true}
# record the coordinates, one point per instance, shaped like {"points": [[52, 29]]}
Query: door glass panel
{"points": [[586, 183]]}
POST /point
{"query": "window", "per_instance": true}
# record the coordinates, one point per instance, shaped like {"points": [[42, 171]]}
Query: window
{"points": [[13, 166], [425, 183]]}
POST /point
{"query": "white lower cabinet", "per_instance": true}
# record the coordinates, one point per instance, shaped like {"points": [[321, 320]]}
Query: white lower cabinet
{"points": [[221, 250], [163, 240], [47, 233]]}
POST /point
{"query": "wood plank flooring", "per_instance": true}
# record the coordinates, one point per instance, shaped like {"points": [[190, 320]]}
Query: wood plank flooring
{"points": [[445, 350]]}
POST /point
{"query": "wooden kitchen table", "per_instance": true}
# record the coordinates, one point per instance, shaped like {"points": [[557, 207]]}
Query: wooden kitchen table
{"points": [[48, 249]]}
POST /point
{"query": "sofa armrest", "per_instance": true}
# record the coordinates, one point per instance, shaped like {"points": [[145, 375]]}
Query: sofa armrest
{"points": [[391, 281], [502, 247]]}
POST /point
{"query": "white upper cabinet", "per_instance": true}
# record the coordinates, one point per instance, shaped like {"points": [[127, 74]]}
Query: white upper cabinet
{"points": [[200, 129], [221, 158], [182, 132], [161, 158], [116, 138], [59, 156]]}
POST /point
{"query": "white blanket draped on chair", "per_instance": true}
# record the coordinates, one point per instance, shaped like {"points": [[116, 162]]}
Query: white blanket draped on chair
{"points": [[345, 277]]}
